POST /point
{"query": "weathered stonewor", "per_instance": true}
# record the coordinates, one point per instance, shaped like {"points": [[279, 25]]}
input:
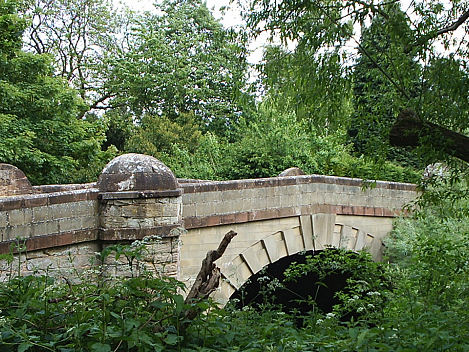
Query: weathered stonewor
{"points": [[13, 181], [137, 200], [60, 228], [140, 199]]}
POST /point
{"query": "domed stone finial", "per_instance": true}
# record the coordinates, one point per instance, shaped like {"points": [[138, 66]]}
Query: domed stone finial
{"points": [[293, 171], [136, 172], [13, 181]]}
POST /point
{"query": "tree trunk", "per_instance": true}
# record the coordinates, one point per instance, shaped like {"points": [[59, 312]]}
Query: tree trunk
{"points": [[208, 278], [408, 130]]}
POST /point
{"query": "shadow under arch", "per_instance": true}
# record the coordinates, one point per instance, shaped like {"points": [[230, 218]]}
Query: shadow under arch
{"points": [[315, 233], [269, 287]]}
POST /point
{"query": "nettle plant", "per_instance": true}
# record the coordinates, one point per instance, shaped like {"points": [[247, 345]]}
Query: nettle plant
{"points": [[92, 311]]}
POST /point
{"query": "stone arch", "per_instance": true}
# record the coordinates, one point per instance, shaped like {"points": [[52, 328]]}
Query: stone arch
{"points": [[315, 232]]}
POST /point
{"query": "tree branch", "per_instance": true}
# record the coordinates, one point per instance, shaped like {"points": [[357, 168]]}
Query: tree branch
{"points": [[425, 38], [408, 130]]}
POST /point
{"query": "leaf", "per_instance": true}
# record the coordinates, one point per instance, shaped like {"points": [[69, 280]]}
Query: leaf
{"points": [[179, 301], [100, 347], [24, 346], [171, 339]]}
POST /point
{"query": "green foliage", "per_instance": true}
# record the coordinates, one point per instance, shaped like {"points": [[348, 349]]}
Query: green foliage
{"points": [[270, 143], [377, 101], [90, 311], [39, 129], [181, 61], [156, 134], [296, 82]]}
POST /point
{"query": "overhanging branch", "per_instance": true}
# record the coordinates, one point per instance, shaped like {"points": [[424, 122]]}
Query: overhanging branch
{"points": [[451, 28], [410, 131]]}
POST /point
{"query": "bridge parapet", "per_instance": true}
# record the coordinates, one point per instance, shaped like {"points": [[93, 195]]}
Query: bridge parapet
{"points": [[136, 196], [223, 202], [57, 227]]}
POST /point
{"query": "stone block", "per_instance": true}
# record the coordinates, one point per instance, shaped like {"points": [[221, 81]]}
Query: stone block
{"points": [[70, 224], [35, 255], [60, 211], [45, 228], [293, 241], [147, 222], [19, 217], [111, 210], [62, 251], [361, 241], [83, 260], [109, 222], [171, 210], [188, 210], [348, 237], [154, 210], [41, 214], [275, 246], [41, 263], [131, 223], [323, 228], [133, 210], [307, 231], [87, 248], [20, 232], [256, 257], [168, 220], [162, 200], [3, 219], [85, 208], [89, 222]]}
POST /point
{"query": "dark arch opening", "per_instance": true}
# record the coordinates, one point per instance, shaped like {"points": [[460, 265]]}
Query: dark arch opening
{"points": [[295, 296]]}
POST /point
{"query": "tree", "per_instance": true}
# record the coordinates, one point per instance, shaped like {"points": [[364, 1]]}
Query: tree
{"points": [[39, 129], [84, 37], [181, 61], [376, 102], [296, 82], [331, 26]]}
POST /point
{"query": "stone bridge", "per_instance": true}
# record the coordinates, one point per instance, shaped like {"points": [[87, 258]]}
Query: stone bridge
{"points": [[61, 227]]}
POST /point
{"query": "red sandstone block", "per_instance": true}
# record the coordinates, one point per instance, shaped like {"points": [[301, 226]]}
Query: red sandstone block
{"points": [[379, 211], [286, 212], [347, 210], [228, 219], [241, 217], [92, 195], [213, 220], [390, 213], [11, 203], [35, 202]]}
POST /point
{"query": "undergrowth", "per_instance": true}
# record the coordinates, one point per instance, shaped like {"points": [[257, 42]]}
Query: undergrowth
{"points": [[417, 301]]}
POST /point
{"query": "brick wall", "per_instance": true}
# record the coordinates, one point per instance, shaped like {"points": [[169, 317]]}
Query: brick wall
{"points": [[49, 219]]}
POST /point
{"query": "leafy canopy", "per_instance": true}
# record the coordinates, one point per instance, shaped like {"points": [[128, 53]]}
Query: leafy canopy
{"points": [[406, 50], [39, 129]]}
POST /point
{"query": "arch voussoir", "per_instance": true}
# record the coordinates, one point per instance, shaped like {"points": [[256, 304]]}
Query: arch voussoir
{"points": [[316, 232]]}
